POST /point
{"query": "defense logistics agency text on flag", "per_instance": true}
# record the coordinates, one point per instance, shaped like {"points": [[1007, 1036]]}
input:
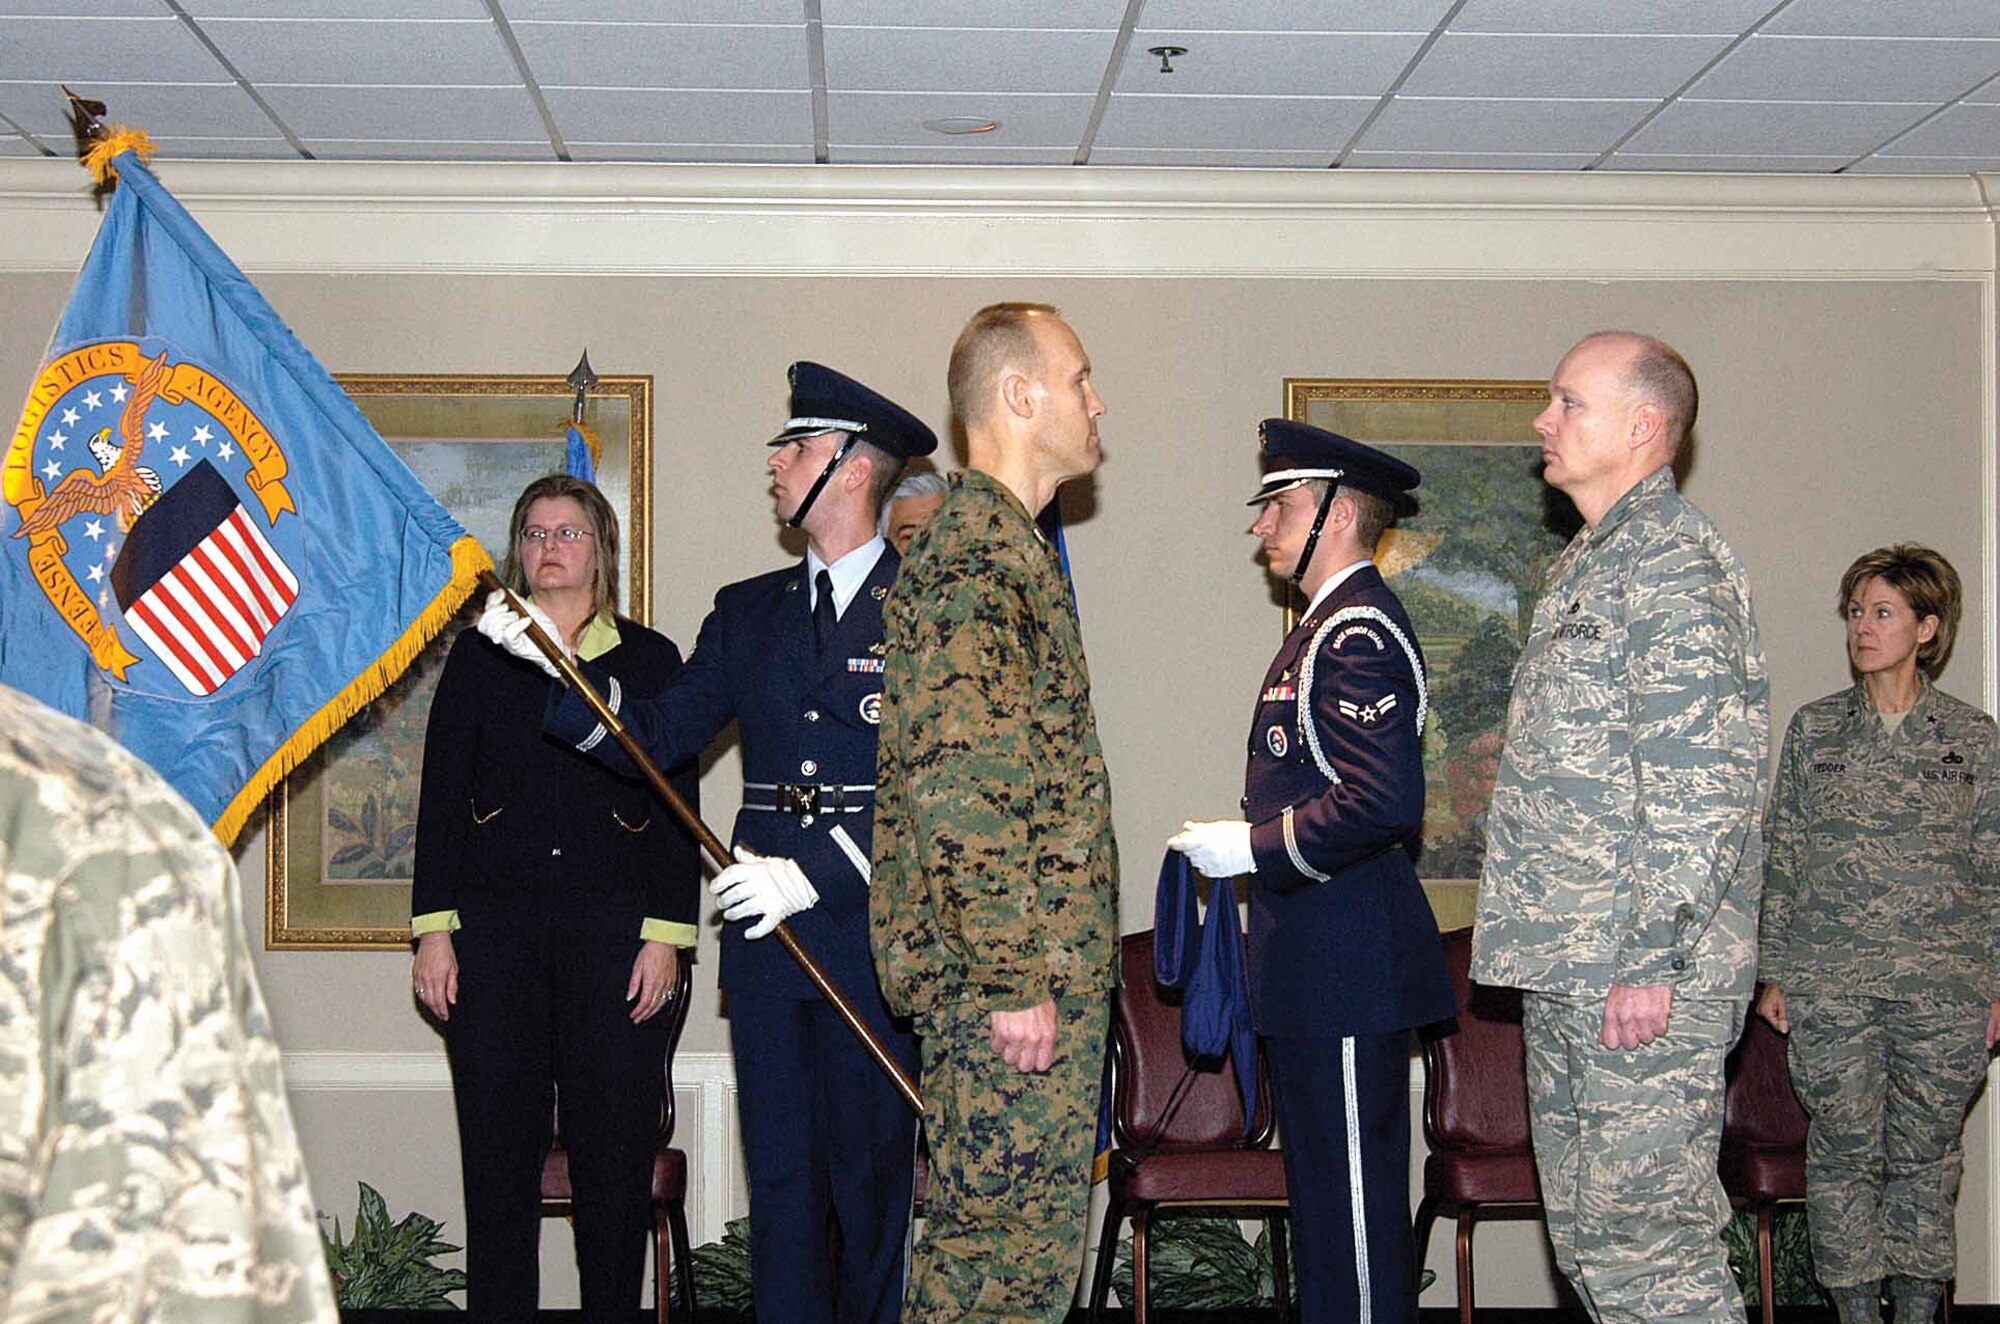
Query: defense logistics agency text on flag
{"points": [[205, 548]]}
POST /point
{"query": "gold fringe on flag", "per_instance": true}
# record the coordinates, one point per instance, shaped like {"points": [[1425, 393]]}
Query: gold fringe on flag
{"points": [[117, 138], [592, 440], [468, 558]]}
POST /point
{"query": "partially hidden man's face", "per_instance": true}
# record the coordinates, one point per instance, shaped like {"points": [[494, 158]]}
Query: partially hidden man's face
{"points": [[797, 465], [1068, 405], [1283, 524], [909, 514]]}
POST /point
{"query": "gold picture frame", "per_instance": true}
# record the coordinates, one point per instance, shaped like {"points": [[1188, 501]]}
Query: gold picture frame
{"points": [[340, 829], [1468, 566]]}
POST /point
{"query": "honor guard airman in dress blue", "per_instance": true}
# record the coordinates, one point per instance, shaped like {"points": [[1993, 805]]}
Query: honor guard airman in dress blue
{"points": [[1344, 951], [795, 658]]}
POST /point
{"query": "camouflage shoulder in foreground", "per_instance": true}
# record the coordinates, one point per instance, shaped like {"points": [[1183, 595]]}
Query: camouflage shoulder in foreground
{"points": [[1623, 842], [148, 1164], [995, 870]]}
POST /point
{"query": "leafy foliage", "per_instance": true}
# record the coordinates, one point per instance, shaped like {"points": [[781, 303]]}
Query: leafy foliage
{"points": [[1202, 1262], [1792, 1280], [722, 1270], [390, 1266]]}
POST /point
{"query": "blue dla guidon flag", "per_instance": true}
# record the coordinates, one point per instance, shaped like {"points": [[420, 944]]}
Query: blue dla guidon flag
{"points": [[205, 548]]}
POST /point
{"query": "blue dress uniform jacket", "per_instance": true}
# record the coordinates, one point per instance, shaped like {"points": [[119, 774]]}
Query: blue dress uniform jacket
{"points": [[807, 719], [1342, 940], [1344, 952], [822, 1126]]}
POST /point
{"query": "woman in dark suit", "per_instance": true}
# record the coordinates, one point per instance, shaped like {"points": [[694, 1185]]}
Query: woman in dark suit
{"points": [[551, 900]]}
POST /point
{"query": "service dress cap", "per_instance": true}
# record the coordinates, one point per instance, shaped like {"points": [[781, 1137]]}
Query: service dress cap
{"points": [[827, 401], [1293, 453]]}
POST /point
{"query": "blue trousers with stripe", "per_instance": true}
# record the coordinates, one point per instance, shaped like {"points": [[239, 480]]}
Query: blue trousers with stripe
{"points": [[1343, 1114]]}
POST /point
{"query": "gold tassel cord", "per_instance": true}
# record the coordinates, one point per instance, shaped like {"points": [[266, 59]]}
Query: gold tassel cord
{"points": [[117, 138], [468, 558]]}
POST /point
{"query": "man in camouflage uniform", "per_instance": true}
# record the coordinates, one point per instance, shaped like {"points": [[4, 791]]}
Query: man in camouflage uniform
{"points": [[994, 906], [148, 1166], [1623, 853], [1879, 949]]}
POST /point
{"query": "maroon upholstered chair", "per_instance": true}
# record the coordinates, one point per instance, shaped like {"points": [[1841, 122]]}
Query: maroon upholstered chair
{"points": [[1482, 1160], [670, 1230], [1763, 1159], [1179, 1134]]}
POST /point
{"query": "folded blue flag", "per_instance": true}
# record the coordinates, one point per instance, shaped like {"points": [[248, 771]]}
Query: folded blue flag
{"points": [[1204, 960], [205, 549]]}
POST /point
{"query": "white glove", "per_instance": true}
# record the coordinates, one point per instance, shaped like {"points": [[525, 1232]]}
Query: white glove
{"points": [[772, 889], [509, 629], [1220, 849]]}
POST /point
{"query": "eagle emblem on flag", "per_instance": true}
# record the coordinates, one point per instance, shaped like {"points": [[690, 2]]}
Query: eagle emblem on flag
{"points": [[150, 499]]}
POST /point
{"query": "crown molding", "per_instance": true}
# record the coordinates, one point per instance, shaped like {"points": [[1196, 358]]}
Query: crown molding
{"points": [[403, 217]]}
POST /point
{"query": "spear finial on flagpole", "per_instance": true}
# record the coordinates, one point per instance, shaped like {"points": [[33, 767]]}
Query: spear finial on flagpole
{"points": [[97, 142], [582, 377], [583, 450]]}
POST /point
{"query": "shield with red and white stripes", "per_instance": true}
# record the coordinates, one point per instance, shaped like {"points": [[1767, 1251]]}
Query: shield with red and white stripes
{"points": [[199, 582]]}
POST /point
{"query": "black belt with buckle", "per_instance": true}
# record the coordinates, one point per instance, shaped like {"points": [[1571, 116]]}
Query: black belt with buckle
{"points": [[808, 799]]}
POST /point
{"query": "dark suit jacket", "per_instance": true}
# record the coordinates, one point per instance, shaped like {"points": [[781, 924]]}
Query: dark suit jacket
{"points": [[806, 717], [1342, 940], [507, 815]]}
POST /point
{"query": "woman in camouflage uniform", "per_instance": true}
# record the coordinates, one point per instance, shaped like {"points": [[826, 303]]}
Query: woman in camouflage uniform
{"points": [[1877, 947]]}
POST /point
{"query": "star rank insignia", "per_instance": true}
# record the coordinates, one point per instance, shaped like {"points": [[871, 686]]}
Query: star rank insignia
{"points": [[1369, 714]]}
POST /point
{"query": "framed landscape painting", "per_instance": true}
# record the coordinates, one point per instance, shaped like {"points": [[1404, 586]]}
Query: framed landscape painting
{"points": [[1468, 566], [341, 830]]}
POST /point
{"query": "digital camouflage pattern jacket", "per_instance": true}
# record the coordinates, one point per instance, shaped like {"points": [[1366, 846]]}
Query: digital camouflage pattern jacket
{"points": [[1623, 844], [1882, 876], [995, 869], [148, 1165]]}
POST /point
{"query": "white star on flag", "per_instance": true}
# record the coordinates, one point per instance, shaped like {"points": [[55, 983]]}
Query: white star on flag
{"points": [[57, 438], [156, 432], [225, 451], [93, 400], [203, 435], [94, 530], [179, 455], [51, 469], [96, 574], [118, 393], [71, 418]]}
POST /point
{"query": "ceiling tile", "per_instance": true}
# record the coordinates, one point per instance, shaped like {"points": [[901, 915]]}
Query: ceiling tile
{"points": [[1269, 63], [1506, 65], [98, 8], [1763, 128], [201, 9], [965, 60], [781, 12], [972, 13], [1416, 124], [1183, 156], [1874, 18], [664, 55], [200, 111], [949, 153], [618, 116], [1303, 124], [367, 149], [1467, 160], [409, 114], [13, 144], [1849, 69], [1292, 16], [1726, 17], [706, 153], [1924, 165], [385, 52], [1766, 165], [883, 119], [225, 149], [1959, 131], [104, 50]]}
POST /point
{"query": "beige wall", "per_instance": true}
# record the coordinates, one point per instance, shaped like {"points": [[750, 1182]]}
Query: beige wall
{"points": [[1846, 402]]}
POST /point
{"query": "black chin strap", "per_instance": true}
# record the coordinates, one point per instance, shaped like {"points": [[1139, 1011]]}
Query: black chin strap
{"points": [[812, 494], [1312, 539]]}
